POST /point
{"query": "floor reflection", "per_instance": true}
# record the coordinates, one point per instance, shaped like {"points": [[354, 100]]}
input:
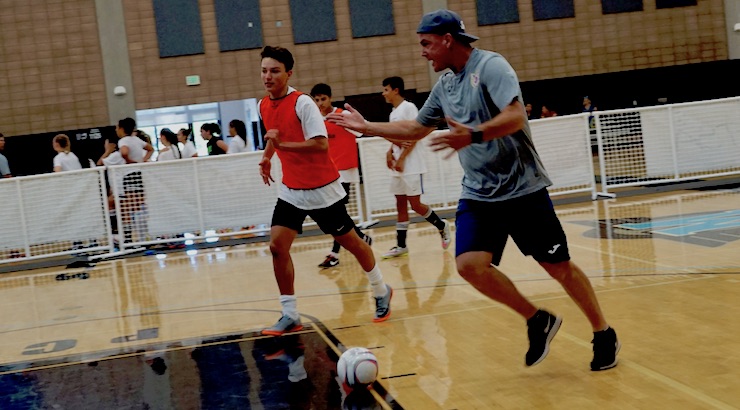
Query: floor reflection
{"points": [[231, 372]]}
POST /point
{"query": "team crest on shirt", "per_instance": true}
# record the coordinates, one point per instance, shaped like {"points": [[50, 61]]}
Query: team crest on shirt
{"points": [[474, 79]]}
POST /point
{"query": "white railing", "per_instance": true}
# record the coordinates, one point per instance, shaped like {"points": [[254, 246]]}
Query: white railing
{"points": [[53, 214], [204, 199], [670, 143], [563, 144], [200, 199]]}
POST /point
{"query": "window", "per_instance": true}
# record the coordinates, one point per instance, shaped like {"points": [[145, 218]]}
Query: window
{"points": [[313, 21], [553, 9], [497, 11], [620, 6], [667, 4], [178, 27], [371, 18], [239, 24]]}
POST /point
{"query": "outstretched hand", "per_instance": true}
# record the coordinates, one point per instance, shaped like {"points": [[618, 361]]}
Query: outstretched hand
{"points": [[459, 136], [265, 166], [350, 118]]}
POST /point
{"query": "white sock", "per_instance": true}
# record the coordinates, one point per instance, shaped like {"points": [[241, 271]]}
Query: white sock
{"points": [[333, 254], [290, 306], [376, 282]]}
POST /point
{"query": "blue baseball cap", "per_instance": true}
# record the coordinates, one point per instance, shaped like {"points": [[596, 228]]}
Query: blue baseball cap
{"points": [[442, 22]]}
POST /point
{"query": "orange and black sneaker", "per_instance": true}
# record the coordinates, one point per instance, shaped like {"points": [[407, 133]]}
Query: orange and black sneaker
{"points": [[283, 326], [383, 306]]}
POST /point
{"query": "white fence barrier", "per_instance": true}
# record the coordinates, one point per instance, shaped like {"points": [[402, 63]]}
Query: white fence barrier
{"points": [[563, 145], [199, 198], [207, 198], [53, 214], [669, 143]]}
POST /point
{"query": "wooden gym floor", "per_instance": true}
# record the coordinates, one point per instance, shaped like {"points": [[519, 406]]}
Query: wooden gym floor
{"points": [[180, 330]]}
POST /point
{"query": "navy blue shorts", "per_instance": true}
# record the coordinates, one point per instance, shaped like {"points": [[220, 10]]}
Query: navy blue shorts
{"points": [[529, 220], [333, 220]]}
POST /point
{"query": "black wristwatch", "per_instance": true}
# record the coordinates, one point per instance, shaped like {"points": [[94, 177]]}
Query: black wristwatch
{"points": [[476, 136]]}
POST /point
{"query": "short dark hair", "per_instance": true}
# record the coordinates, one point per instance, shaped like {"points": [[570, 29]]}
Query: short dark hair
{"points": [[128, 125], [321, 89], [394, 82], [280, 54]]}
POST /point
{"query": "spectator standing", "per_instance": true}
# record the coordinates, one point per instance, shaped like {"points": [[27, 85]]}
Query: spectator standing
{"points": [[238, 132], [211, 132], [4, 167], [188, 148], [171, 150], [65, 160]]}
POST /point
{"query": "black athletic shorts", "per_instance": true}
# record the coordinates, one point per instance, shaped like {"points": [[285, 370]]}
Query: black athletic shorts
{"points": [[333, 220], [347, 186]]}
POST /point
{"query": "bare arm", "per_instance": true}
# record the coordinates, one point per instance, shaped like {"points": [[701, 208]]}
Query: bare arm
{"points": [[149, 151], [265, 164], [221, 144], [510, 120], [124, 153], [316, 144], [109, 149], [408, 130]]}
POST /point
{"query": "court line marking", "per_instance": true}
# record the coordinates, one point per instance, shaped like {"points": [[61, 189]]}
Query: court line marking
{"points": [[501, 306], [660, 378], [141, 353], [616, 255]]}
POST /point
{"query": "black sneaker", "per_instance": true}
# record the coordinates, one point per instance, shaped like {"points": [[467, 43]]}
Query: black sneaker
{"points": [[369, 239], [541, 328], [329, 262], [606, 347]]}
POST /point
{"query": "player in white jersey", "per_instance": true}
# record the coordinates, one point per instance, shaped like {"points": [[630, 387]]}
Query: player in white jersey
{"points": [[407, 165]]}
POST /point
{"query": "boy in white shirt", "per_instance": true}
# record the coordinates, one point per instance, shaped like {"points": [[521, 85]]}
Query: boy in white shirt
{"points": [[407, 166]]}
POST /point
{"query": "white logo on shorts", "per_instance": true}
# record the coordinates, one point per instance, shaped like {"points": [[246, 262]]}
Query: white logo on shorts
{"points": [[554, 249]]}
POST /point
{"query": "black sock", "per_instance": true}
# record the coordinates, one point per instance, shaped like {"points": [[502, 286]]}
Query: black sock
{"points": [[401, 230], [434, 219], [360, 233], [335, 247]]}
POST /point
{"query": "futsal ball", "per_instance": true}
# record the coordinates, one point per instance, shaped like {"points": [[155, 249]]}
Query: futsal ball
{"points": [[357, 367]]}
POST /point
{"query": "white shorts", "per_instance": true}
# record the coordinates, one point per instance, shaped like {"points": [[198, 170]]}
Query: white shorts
{"points": [[409, 185]]}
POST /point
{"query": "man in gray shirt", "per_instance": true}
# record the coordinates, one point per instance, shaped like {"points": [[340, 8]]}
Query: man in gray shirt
{"points": [[504, 185], [4, 168]]}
